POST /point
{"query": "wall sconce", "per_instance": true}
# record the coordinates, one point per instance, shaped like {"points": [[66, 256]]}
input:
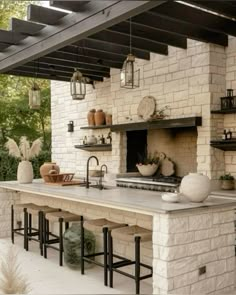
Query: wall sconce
{"points": [[70, 126]]}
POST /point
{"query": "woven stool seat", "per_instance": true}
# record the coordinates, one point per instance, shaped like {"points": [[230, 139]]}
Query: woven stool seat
{"points": [[129, 233], [65, 215], [97, 225], [34, 210]]}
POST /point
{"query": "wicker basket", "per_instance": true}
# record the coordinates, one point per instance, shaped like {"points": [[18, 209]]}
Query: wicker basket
{"points": [[62, 177]]}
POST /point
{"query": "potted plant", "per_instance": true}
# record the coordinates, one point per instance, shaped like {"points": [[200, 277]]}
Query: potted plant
{"points": [[227, 181], [24, 152], [148, 163]]}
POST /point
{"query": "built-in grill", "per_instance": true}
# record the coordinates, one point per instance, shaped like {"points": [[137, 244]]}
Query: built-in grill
{"points": [[159, 183]]}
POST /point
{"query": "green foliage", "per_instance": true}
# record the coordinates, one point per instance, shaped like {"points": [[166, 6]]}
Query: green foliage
{"points": [[8, 165], [226, 176], [148, 158]]}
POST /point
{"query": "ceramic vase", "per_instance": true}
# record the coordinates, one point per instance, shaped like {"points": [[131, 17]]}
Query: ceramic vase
{"points": [[227, 184], [147, 170], [90, 117], [108, 119], [46, 168], [195, 187], [99, 117], [25, 172]]}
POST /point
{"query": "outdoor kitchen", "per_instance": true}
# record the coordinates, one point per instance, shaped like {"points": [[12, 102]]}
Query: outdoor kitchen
{"points": [[181, 121]]}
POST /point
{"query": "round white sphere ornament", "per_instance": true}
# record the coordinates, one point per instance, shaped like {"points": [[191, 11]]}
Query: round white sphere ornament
{"points": [[195, 187]]}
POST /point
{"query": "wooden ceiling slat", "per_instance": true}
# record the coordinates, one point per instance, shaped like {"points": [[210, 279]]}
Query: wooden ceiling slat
{"points": [[77, 6], [124, 40], [44, 15], [80, 51], [185, 13], [25, 27], [32, 75], [11, 38], [188, 30], [224, 8], [112, 48], [85, 60], [143, 32], [72, 65], [58, 69]]}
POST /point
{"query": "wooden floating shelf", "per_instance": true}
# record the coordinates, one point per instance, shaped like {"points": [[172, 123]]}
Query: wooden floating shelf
{"points": [[96, 127], [225, 145], [159, 124], [230, 111], [94, 147]]}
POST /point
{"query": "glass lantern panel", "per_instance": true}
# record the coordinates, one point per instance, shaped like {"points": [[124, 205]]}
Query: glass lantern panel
{"points": [[78, 89], [34, 99]]}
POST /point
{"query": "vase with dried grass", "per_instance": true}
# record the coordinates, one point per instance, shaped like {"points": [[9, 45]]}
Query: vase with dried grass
{"points": [[25, 152]]}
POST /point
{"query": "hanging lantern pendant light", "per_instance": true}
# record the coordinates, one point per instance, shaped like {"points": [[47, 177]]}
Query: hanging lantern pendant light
{"points": [[77, 86], [34, 97], [130, 75]]}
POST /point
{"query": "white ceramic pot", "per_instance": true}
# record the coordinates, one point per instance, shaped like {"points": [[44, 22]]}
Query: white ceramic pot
{"points": [[25, 172], [195, 187], [147, 170]]}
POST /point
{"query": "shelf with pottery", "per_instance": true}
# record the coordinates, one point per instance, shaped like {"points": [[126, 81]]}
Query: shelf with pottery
{"points": [[96, 127], [224, 145], [94, 147]]}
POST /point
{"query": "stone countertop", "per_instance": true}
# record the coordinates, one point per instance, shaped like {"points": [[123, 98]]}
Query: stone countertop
{"points": [[224, 194], [140, 201]]}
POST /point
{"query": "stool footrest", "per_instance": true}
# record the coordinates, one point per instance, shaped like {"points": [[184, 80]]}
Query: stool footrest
{"points": [[52, 241], [33, 234], [52, 247], [122, 263], [124, 273], [93, 261], [146, 277], [95, 254]]}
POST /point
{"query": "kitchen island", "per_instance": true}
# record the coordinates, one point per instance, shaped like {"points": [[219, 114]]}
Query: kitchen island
{"points": [[193, 243]]}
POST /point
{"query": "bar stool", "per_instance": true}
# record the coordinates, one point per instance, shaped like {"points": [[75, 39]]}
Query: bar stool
{"points": [[26, 226], [98, 226], [134, 234], [39, 211], [61, 217]]}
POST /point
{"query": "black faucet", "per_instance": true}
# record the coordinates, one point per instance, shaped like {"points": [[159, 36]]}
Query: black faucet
{"points": [[87, 176], [101, 175]]}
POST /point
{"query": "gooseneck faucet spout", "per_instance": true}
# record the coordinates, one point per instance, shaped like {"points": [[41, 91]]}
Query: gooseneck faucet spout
{"points": [[87, 175], [101, 175]]}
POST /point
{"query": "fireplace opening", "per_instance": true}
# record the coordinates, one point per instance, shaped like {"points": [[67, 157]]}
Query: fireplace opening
{"points": [[136, 144]]}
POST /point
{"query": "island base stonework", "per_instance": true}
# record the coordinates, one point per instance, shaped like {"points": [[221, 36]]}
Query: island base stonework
{"points": [[187, 244]]}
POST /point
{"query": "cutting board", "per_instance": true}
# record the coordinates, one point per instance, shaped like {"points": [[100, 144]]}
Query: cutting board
{"points": [[66, 183]]}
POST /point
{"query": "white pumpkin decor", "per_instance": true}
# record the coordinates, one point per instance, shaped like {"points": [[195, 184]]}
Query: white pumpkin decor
{"points": [[195, 187], [25, 152]]}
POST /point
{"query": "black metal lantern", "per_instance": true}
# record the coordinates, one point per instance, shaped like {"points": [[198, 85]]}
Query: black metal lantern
{"points": [[129, 76], [34, 97], [77, 86], [70, 126]]}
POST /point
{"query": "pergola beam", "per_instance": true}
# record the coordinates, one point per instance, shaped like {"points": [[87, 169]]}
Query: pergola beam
{"points": [[44, 15], [10, 38], [74, 27], [77, 6], [25, 27], [179, 28]]}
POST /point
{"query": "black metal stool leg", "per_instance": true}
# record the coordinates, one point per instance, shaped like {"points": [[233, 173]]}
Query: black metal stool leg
{"points": [[105, 254], [40, 222], [12, 224], [45, 238], [82, 246], [26, 242], [110, 262], [66, 225], [61, 241], [30, 226], [137, 264]]}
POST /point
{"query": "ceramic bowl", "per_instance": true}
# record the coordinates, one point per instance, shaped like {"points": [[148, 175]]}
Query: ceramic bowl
{"points": [[170, 197]]}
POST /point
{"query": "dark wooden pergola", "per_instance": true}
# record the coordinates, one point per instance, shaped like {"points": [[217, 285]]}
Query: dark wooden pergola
{"points": [[94, 36]]}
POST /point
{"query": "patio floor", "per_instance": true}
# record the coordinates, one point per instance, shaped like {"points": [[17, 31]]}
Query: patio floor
{"points": [[45, 276]]}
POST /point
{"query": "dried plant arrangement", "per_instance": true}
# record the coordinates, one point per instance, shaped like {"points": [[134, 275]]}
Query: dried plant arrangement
{"points": [[24, 151], [11, 279]]}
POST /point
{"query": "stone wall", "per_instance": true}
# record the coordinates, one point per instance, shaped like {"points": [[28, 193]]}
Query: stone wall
{"points": [[180, 80]]}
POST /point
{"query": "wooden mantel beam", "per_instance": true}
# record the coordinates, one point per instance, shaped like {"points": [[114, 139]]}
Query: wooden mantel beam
{"points": [[72, 28]]}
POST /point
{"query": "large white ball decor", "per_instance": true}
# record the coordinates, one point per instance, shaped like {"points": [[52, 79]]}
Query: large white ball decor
{"points": [[195, 187]]}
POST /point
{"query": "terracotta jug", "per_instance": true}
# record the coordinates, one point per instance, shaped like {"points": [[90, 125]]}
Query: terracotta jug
{"points": [[46, 168], [90, 117], [99, 117], [108, 119]]}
